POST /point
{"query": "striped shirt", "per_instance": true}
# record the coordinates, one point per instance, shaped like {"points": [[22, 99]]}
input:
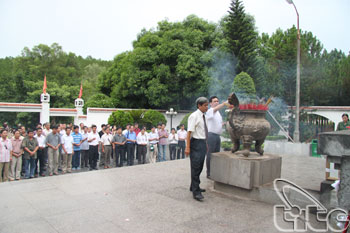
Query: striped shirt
{"points": [[77, 139]]}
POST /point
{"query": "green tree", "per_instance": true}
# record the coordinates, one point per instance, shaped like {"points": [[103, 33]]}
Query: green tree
{"points": [[164, 69], [120, 118], [99, 101], [152, 118], [239, 30]]}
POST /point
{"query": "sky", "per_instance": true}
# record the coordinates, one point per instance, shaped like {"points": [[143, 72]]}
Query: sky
{"points": [[105, 28]]}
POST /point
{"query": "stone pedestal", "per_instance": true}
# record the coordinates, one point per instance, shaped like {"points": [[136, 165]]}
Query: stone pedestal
{"points": [[245, 172], [336, 145]]}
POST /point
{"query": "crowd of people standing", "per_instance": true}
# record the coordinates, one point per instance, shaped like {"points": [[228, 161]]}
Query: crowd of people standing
{"points": [[59, 149]]}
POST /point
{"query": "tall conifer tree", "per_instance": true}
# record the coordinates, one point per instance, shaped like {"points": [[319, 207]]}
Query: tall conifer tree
{"points": [[242, 38]]}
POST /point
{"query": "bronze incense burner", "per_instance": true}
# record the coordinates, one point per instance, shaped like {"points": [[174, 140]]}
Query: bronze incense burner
{"points": [[247, 123]]}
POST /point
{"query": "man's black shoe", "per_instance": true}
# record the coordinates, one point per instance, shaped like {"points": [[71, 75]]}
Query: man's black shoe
{"points": [[201, 190], [198, 197]]}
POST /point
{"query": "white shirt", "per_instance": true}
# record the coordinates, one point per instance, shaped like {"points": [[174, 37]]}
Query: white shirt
{"points": [[173, 138], [63, 132], [153, 136], [106, 139], [46, 132], [5, 148], [214, 120], [41, 140], [182, 134], [67, 142], [141, 139], [125, 131], [196, 125], [97, 139]]}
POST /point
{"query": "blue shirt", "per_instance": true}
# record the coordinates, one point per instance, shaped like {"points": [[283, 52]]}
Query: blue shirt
{"points": [[76, 139], [131, 136], [85, 144]]}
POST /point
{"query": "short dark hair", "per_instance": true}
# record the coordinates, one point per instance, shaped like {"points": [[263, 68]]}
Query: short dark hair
{"points": [[38, 129], [345, 114], [3, 130], [54, 127], [84, 127], [201, 100], [119, 128], [93, 126], [213, 97], [103, 125], [173, 129], [76, 127], [68, 128], [30, 131], [182, 125], [159, 124], [153, 127]]}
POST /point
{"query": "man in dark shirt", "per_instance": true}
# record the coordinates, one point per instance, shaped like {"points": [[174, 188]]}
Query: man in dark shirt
{"points": [[101, 133], [119, 141]]}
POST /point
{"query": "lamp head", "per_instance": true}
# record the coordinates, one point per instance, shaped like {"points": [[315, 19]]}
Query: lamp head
{"points": [[290, 1]]}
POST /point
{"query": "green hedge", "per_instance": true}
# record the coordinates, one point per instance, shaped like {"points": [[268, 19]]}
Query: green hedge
{"points": [[120, 118]]}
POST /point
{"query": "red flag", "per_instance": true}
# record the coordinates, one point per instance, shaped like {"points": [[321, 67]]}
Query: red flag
{"points": [[45, 86], [81, 90]]}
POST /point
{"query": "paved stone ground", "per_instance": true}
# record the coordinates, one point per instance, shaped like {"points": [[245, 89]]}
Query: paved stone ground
{"points": [[144, 198]]}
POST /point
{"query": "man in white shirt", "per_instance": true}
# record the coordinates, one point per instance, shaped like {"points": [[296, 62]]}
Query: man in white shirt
{"points": [[196, 147], [41, 156], [173, 142], [5, 155], [153, 139], [182, 135], [142, 140], [67, 151], [126, 130], [46, 129], [214, 128], [94, 141], [106, 142]]}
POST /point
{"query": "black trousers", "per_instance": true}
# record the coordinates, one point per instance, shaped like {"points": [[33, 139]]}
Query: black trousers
{"points": [[198, 150], [182, 146], [142, 151], [214, 144], [172, 150], [40, 162], [130, 147], [93, 156], [119, 155]]}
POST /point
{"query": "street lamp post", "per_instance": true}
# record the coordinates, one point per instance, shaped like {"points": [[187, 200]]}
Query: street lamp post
{"points": [[296, 135], [171, 113]]}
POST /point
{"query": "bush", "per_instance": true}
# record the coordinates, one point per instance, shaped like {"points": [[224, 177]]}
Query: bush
{"points": [[184, 120], [244, 86], [152, 117], [137, 116], [120, 118]]}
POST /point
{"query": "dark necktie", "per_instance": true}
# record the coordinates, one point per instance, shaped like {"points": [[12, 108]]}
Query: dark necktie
{"points": [[205, 128], [206, 132]]}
